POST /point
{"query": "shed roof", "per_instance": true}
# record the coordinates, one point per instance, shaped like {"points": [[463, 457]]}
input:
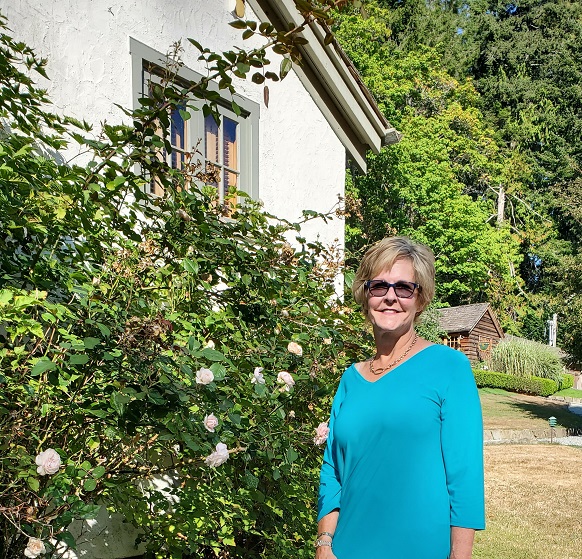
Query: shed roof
{"points": [[465, 317]]}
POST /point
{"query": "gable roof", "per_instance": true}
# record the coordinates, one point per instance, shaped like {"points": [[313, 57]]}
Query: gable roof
{"points": [[465, 317], [334, 83]]}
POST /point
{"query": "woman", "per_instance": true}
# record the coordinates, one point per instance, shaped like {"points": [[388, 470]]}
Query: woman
{"points": [[402, 474]]}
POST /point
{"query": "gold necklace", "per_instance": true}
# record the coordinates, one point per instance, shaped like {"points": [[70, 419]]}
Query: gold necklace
{"points": [[395, 362]]}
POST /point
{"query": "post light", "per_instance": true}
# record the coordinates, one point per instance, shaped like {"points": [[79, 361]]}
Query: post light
{"points": [[552, 422]]}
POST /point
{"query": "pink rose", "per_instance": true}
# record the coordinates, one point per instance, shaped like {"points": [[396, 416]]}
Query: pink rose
{"points": [[218, 457], [258, 377], [210, 422], [204, 376], [321, 433], [295, 349], [48, 462], [285, 378], [34, 548]]}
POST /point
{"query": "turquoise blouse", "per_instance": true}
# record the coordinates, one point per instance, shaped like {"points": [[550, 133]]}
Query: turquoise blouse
{"points": [[404, 459]]}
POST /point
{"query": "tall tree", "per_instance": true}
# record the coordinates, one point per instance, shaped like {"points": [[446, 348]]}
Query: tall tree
{"points": [[440, 183]]}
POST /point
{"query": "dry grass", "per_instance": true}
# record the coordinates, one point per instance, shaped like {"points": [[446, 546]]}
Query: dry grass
{"points": [[534, 503], [509, 410]]}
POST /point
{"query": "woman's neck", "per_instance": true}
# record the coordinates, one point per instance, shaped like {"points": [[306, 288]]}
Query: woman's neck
{"points": [[391, 344]]}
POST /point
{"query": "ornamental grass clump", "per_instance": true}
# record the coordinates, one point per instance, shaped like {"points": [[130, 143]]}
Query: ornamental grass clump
{"points": [[525, 358]]}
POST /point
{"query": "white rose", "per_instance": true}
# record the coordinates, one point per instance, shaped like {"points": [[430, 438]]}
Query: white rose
{"points": [[48, 462], [258, 377], [210, 344], [218, 457], [295, 349], [321, 433], [210, 422], [34, 548], [204, 376], [285, 378]]}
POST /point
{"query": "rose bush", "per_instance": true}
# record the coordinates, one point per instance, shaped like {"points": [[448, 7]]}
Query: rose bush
{"points": [[105, 326]]}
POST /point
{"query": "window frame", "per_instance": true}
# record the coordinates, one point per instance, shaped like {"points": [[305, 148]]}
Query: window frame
{"points": [[144, 59]]}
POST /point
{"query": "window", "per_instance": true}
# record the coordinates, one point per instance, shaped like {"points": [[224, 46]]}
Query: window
{"points": [[453, 341], [227, 153]]}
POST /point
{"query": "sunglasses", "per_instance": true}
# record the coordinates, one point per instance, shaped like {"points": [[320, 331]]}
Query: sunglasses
{"points": [[402, 289]]}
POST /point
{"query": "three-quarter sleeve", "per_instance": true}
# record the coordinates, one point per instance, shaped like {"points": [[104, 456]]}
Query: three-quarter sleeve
{"points": [[329, 479], [462, 446]]}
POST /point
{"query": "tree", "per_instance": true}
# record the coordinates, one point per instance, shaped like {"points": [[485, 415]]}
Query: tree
{"points": [[441, 182]]}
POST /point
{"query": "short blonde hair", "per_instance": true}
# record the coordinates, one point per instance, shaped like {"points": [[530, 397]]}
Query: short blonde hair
{"points": [[382, 256]]}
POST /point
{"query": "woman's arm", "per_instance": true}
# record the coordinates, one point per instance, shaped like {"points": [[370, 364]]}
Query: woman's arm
{"points": [[326, 524], [461, 542]]}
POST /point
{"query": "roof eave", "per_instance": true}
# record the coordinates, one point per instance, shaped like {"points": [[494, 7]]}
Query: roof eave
{"points": [[334, 84]]}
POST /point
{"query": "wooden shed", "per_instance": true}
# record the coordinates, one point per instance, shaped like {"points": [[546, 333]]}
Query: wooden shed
{"points": [[472, 329]]}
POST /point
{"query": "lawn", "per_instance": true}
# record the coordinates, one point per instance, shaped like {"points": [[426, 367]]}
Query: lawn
{"points": [[533, 493], [509, 410], [533, 501], [572, 392]]}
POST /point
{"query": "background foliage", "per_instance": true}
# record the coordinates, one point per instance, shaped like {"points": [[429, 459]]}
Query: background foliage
{"points": [[487, 96]]}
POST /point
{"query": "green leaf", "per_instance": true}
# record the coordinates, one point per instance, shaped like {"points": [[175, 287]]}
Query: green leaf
{"points": [[235, 108], [184, 114], [44, 364], [79, 359], [98, 472], [5, 296], [88, 511], [89, 484], [33, 483], [190, 266], [212, 354], [291, 455], [118, 402], [218, 370], [90, 343], [67, 538], [238, 24], [285, 68]]}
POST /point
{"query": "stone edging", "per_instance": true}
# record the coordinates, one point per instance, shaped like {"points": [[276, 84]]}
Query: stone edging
{"points": [[568, 399], [526, 435]]}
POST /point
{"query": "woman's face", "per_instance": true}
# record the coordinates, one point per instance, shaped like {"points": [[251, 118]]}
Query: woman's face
{"points": [[389, 313]]}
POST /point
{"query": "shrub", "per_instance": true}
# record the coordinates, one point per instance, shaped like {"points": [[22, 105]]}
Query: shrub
{"points": [[134, 344], [525, 358], [532, 385], [566, 381]]}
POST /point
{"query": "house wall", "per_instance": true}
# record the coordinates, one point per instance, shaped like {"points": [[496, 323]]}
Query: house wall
{"points": [[301, 160]]}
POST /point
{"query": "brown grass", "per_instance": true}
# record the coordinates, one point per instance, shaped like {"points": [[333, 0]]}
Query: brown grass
{"points": [[534, 503], [508, 410]]}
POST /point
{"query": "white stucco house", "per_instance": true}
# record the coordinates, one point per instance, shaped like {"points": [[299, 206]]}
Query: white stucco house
{"points": [[289, 152]]}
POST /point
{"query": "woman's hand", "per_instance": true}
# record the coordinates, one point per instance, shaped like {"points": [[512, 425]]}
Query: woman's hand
{"points": [[324, 552]]}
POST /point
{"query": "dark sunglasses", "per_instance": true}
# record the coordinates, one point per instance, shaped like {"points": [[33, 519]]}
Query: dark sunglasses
{"points": [[402, 289]]}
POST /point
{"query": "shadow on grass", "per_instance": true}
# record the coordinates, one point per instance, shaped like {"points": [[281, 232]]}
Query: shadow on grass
{"points": [[545, 410]]}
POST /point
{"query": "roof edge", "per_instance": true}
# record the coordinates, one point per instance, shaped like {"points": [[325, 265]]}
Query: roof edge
{"points": [[337, 79]]}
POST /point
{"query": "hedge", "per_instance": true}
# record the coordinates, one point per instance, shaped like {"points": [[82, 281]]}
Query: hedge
{"points": [[532, 385], [566, 381]]}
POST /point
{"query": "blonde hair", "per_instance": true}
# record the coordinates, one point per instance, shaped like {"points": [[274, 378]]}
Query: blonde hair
{"points": [[382, 256]]}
